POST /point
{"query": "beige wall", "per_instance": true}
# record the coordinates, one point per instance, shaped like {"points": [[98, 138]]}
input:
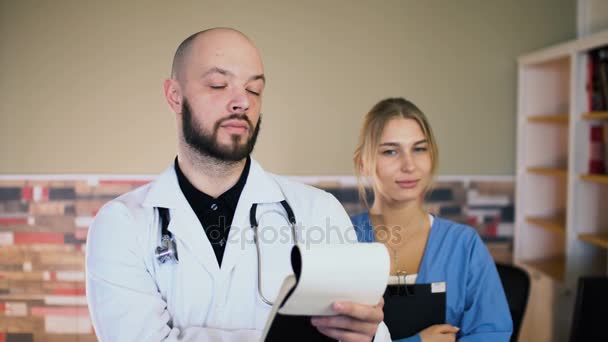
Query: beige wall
{"points": [[592, 16], [80, 81]]}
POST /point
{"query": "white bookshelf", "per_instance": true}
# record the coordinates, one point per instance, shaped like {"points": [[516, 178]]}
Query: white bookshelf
{"points": [[561, 223]]}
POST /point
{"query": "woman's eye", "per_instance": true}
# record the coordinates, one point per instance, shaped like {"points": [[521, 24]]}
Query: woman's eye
{"points": [[217, 86], [420, 149], [389, 152], [253, 92]]}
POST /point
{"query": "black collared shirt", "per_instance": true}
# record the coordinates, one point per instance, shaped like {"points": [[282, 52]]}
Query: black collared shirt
{"points": [[215, 214]]}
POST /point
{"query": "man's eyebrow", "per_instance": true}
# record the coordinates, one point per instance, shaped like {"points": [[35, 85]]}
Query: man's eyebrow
{"points": [[258, 77], [216, 70]]}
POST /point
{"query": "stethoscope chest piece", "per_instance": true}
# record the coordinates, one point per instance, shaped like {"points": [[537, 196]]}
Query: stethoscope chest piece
{"points": [[167, 249]]}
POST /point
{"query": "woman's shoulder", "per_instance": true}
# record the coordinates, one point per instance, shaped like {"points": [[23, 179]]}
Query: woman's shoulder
{"points": [[455, 231], [360, 219], [363, 227], [464, 239]]}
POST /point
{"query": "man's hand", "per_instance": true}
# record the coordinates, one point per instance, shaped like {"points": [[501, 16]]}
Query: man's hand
{"points": [[439, 333], [354, 322]]}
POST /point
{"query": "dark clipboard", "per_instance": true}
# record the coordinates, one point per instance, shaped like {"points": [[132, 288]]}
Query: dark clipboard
{"points": [[294, 328], [409, 309]]}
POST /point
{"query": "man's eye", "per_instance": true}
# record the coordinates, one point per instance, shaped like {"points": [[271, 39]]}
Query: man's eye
{"points": [[217, 86], [253, 92]]}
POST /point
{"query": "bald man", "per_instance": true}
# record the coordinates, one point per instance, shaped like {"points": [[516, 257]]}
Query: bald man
{"points": [[206, 290]]}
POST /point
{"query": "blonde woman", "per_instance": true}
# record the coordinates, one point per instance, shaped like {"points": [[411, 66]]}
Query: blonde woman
{"points": [[397, 154]]}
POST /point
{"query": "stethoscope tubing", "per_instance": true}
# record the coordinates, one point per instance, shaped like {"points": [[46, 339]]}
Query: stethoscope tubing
{"points": [[254, 225]]}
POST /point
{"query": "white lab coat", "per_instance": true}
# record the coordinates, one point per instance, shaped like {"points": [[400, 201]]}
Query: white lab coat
{"points": [[132, 297]]}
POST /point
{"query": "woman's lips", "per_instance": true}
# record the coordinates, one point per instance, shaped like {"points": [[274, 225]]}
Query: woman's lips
{"points": [[407, 184]]}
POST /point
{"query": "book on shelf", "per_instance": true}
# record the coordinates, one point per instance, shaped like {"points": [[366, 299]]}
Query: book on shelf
{"points": [[597, 156], [605, 126], [597, 79]]}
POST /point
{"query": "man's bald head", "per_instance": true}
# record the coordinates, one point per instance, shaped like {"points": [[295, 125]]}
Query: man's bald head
{"points": [[180, 59]]}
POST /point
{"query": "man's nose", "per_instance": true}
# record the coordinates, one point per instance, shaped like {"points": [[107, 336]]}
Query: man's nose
{"points": [[239, 103]]}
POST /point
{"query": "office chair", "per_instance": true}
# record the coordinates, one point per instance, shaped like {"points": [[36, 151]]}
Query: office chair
{"points": [[516, 283], [590, 310]]}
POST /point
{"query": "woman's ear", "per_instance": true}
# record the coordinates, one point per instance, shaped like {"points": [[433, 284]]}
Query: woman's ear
{"points": [[358, 163], [362, 169]]}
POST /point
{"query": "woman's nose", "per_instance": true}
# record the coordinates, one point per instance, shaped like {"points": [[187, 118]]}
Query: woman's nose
{"points": [[407, 163]]}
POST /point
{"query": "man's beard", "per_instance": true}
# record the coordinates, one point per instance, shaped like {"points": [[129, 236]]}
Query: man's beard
{"points": [[207, 145]]}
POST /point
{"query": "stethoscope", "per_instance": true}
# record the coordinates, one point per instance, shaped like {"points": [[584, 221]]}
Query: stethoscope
{"points": [[168, 250], [254, 225]]}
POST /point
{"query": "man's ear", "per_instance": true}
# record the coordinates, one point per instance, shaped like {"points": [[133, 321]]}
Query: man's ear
{"points": [[173, 94]]}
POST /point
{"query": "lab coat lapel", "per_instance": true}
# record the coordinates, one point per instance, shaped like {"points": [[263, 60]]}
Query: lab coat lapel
{"points": [[190, 235], [260, 188], [184, 225]]}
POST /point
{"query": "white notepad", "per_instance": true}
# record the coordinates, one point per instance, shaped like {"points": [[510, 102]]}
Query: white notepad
{"points": [[324, 275]]}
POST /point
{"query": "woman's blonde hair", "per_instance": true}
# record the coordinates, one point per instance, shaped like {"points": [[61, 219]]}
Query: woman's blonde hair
{"points": [[374, 122]]}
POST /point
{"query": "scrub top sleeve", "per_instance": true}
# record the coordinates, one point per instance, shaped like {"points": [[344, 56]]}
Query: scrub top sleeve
{"points": [[124, 302], [486, 313]]}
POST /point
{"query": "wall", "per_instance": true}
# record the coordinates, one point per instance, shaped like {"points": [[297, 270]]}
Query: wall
{"points": [[592, 16], [81, 80]]}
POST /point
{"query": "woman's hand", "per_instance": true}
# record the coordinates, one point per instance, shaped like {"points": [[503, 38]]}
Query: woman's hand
{"points": [[439, 333]]}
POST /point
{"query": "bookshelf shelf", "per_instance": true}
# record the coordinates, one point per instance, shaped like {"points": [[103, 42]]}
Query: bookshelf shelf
{"points": [[603, 179], [554, 268], [550, 171], [562, 119], [553, 224], [600, 240], [595, 116]]}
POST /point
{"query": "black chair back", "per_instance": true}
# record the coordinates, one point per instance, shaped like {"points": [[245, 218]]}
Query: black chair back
{"points": [[516, 283], [590, 313]]}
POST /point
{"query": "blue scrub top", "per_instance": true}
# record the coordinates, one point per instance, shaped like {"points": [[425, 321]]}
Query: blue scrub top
{"points": [[456, 255]]}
